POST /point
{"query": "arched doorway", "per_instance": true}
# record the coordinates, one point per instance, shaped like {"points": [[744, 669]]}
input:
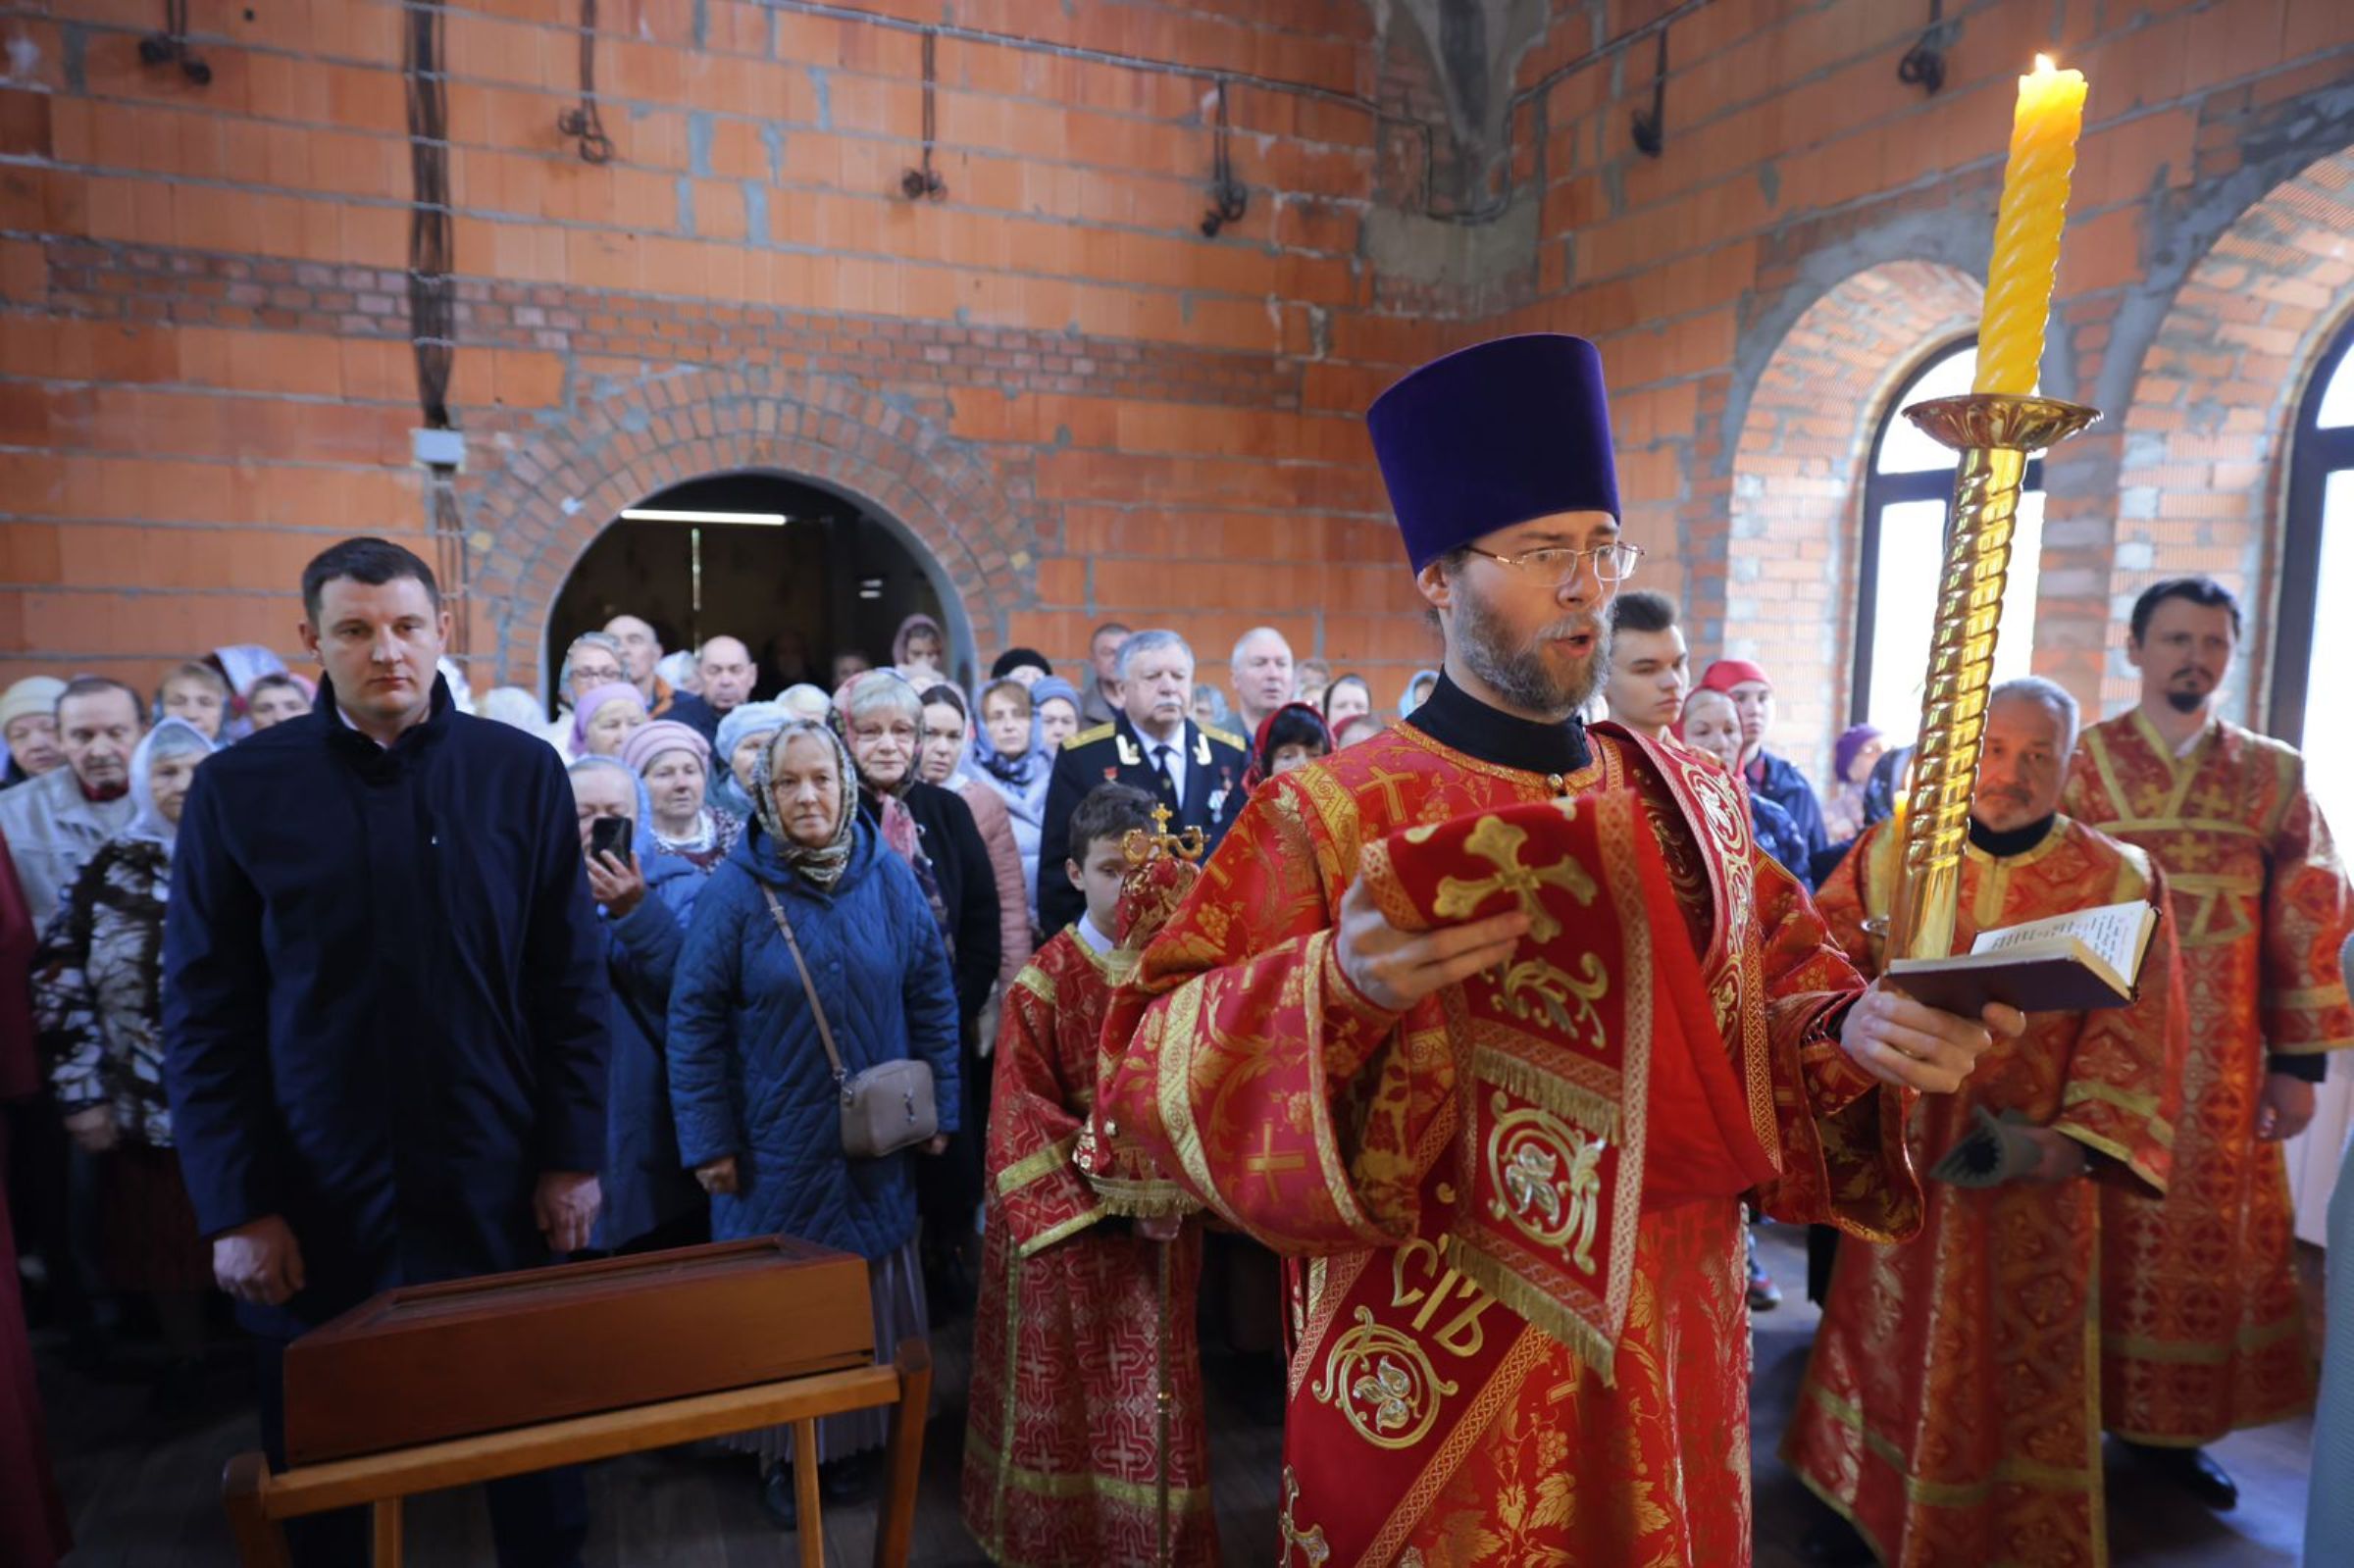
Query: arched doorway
{"points": [[801, 572]]}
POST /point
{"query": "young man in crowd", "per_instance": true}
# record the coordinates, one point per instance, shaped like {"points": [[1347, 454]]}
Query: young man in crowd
{"points": [[2203, 1329], [1651, 669], [1063, 1454], [385, 1016]]}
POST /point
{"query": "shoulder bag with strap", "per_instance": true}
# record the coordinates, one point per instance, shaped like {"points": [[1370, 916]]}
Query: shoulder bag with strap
{"points": [[886, 1108]]}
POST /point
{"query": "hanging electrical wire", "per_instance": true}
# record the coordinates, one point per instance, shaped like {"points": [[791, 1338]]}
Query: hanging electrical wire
{"points": [[433, 292], [171, 46], [581, 121], [925, 182], [1229, 197]]}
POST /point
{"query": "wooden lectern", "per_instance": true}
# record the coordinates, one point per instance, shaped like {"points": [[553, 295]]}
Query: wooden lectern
{"points": [[440, 1386]]}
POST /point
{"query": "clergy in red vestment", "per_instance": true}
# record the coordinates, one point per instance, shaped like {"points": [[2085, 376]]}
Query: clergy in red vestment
{"points": [[1516, 1341], [1062, 1449], [1951, 1412], [2203, 1327]]}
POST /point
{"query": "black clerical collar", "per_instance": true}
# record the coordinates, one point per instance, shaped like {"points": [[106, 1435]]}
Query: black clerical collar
{"points": [[1456, 719], [2003, 846]]}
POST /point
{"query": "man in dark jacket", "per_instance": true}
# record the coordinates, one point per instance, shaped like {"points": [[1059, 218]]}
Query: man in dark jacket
{"points": [[385, 1008]]}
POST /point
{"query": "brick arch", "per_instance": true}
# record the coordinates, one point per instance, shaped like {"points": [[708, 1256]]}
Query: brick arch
{"points": [[532, 519], [2204, 470], [1788, 580]]}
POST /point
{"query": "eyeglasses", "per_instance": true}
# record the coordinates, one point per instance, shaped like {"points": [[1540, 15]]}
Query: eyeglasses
{"points": [[1612, 563]]}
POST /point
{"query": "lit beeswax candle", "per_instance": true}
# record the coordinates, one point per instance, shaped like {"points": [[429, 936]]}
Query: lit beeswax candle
{"points": [[2026, 230]]}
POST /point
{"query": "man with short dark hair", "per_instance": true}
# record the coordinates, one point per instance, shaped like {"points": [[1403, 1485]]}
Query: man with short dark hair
{"points": [[56, 822], [1100, 703], [726, 668], [384, 1005], [2202, 1326], [1651, 669]]}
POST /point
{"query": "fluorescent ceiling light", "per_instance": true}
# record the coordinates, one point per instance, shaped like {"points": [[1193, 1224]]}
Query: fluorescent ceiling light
{"points": [[663, 514]]}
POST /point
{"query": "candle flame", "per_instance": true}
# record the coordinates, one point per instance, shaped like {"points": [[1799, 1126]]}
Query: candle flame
{"points": [[2044, 66]]}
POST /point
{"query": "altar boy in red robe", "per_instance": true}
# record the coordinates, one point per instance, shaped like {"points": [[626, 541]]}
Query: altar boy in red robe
{"points": [[1062, 1444]]}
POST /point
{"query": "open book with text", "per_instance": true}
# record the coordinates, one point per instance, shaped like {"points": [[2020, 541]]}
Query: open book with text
{"points": [[2070, 963]]}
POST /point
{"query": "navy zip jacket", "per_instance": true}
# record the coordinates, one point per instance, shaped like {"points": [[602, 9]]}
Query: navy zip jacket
{"points": [[385, 1011]]}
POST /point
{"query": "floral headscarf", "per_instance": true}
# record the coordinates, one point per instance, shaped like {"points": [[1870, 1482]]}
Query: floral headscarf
{"points": [[820, 866]]}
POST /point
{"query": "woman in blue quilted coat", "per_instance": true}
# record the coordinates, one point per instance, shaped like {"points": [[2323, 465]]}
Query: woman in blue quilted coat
{"points": [[759, 1120]]}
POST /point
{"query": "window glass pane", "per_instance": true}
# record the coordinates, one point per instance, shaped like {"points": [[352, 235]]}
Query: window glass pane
{"points": [[2329, 746], [2337, 398], [1904, 449], [1905, 606]]}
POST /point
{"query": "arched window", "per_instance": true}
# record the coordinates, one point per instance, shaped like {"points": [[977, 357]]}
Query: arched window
{"points": [[2317, 568], [1907, 490]]}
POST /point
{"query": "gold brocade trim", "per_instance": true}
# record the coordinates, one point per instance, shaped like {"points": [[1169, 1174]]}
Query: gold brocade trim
{"points": [[2117, 1151], [1329, 1164], [1143, 1494], [1037, 1164], [2303, 996], [1503, 1386], [1592, 1347], [2053, 838], [2130, 1101], [1143, 1198], [1525, 1080], [1038, 983], [2202, 882], [1955, 1494], [1173, 1090], [2317, 1047], [2140, 1348], [1571, 783], [1056, 1233], [2183, 767]]}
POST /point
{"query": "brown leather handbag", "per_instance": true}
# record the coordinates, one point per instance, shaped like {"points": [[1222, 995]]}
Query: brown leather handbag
{"points": [[885, 1107]]}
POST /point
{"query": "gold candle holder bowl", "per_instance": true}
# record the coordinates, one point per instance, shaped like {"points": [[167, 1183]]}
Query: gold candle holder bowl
{"points": [[1994, 433]]}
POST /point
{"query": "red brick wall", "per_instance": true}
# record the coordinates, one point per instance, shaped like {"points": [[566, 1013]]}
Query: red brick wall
{"points": [[1082, 406]]}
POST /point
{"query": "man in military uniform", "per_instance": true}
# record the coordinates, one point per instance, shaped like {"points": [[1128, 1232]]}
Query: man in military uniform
{"points": [[1151, 743]]}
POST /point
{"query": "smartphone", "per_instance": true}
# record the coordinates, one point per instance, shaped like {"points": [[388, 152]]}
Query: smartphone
{"points": [[611, 836]]}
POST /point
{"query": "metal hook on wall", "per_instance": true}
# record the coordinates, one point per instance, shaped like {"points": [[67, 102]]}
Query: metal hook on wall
{"points": [[924, 181], [171, 46], [1229, 197]]}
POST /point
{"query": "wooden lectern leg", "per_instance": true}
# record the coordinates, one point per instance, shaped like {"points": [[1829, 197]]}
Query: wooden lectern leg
{"points": [[896, 1532], [385, 1529], [261, 1541], [811, 1529]]}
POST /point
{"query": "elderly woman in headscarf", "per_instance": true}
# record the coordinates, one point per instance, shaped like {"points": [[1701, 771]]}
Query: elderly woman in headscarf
{"points": [[1417, 691], [742, 736], [946, 748], [920, 650], [758, 1111], [644, 896], [673, 761], [1056, 703], [880, 718], [603, 719], [97, 1001]]}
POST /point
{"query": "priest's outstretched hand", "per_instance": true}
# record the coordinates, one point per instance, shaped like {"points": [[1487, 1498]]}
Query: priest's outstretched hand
{"points": [[1395, 969], [1899, 1041]]}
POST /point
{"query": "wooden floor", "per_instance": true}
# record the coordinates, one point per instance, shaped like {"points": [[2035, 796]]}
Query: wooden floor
{"points": [[142, 1499]]}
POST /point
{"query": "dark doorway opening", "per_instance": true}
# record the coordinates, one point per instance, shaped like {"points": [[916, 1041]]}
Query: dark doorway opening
{"points": [[831, 578]]}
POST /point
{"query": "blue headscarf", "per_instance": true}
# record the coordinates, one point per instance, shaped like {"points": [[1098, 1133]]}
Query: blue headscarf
{"points": [[1405, 700], [1016, 772], [745, 720]]}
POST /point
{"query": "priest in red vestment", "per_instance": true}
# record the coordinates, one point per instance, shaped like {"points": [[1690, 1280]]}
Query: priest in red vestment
{"points": [[1062, 1449], [1951, 1412], [1516, 1340], [2203, 1327]]}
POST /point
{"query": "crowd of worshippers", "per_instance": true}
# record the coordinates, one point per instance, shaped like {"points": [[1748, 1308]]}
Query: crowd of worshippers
{"points": [[504, 1059]]}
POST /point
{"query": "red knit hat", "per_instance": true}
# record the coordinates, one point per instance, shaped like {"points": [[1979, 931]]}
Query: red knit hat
{"points": [[1727, 673]]}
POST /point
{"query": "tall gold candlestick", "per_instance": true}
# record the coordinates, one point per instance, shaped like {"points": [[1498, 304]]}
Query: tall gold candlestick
{"points": [[1994, 433]]}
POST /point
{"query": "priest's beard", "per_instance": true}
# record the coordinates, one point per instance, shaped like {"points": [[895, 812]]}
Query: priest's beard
{"points": [[1524, 676], [2185, 701]]}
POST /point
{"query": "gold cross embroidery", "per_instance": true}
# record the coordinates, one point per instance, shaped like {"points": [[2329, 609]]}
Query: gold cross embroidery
{"points": [[1314, 1550], [1498, 842], [1387, 782], [1266, 1163]]}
